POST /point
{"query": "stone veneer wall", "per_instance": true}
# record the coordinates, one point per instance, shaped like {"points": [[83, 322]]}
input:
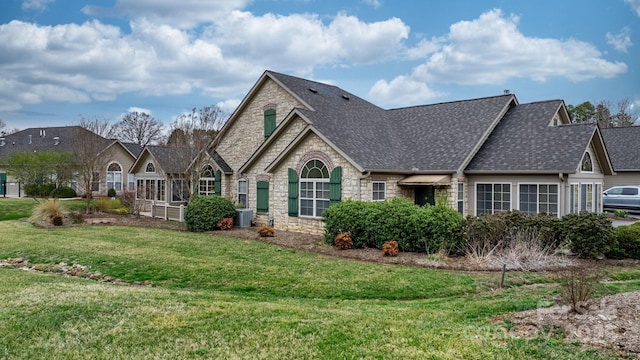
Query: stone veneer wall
{"points": [[246, 134], [278, 196]]}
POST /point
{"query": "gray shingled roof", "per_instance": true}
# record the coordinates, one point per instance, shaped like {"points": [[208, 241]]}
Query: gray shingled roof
{"points": [[623, 145], [44, 138], [135, 149], [220, 162], [172, 160], [523, 141], [435, 137]]}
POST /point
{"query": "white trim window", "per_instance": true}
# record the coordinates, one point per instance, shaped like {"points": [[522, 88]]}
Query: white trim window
{"points": [[242, 192], [493, 198], [585, 197], [314, 188], [114, 177], [378, 190], [461, 198], [538, 198], [587, 163], [207, 184], [131, 179]]}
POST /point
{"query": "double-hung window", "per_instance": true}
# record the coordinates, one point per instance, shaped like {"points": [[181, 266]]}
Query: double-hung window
{"points": [[242, 192], [207, 184], [114, 177], [379, 190]]}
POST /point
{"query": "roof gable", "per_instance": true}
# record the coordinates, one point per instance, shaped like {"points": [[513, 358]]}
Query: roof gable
{"points": [[623, 145], [171, 160], [523, 141]]}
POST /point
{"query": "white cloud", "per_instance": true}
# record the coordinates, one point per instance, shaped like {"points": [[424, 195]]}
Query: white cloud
{"points": [[228, 106], [139, 110], [635, 5], [38, 5], [491, 50], [401, 91], [620, 41], [97, 61], [375, 3], [182, 14]]}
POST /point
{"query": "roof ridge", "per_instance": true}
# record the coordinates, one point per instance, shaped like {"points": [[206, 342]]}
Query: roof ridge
{"points": [[453, 101]]}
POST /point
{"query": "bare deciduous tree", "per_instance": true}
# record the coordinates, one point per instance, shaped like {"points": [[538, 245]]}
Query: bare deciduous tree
{"points": [[102, 127], [604, 113], [139, 128], [195, 130], [92, 152]]}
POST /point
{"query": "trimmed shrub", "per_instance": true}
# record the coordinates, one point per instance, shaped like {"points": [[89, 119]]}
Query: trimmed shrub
{"points": [[590, 235], [548, 228], [63, 192], [39, 190], [111, 193], [266, 231], [371, 224], [390, 248], [204, 212], [627, 243], [343, 241], [76, 217], [438, 229], [225, 224]]}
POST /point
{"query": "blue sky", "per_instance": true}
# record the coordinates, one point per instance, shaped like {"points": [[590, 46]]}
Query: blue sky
{"points": [[102, 58]]}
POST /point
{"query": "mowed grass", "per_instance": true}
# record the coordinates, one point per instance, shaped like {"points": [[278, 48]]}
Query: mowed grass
{"points": [[223, 298], [12, 208]]}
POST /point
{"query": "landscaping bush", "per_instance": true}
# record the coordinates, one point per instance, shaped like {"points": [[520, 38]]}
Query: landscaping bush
{"points": [[111, 193], [627, 242], [204, 212], [63, 192], [438, 229], [39, 190], [225, 224], [111, 206], [483, 234], [266, 231], [590, 235], [579, 285], [48, 210], [343, 241], [390, 248], [548, 228], [371, 224]]}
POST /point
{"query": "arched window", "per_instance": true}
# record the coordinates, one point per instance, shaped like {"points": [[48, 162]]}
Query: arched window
{"points": [[114, 177], [314, 188], [587, 165], [207, 181], [150, 168]]}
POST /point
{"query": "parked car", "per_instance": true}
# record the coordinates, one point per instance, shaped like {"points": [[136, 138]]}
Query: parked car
{"points": [[622, 197]]}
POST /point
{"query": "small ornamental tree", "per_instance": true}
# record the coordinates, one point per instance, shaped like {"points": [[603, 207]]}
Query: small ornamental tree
{"points": [[205, 212]]}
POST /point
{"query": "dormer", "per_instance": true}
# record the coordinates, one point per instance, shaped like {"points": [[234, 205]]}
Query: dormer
{"points": [[56, 140]]}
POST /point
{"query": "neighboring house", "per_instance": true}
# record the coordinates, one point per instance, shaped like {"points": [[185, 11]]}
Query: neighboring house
{"points": [[296, 146], [118, 157], [623, 144], [159, 172]]}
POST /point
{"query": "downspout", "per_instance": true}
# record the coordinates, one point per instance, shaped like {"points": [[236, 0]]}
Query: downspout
{"points": [[366, 175], [564, 209]]}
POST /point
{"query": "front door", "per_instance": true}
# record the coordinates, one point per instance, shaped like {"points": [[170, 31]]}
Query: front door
{"points": [[425, 195], [3, 184]]}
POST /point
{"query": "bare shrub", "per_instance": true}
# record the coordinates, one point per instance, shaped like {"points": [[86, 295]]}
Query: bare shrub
{"points": [[522, 249], [579, 285]]}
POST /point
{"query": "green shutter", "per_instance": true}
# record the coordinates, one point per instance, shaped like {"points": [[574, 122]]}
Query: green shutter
{"points": [[335, 186], [269, 122], [218, 183], [293, 193], [3, 184], [263, 196]]}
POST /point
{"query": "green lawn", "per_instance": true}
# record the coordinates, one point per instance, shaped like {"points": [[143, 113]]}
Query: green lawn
{"points": [[220, 297], [12, 208]]}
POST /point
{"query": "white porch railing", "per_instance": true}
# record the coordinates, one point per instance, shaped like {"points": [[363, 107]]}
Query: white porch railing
{"points": [[168, 212]]}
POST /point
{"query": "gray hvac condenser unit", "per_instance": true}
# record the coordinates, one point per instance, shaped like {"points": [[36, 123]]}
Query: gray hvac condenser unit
{"points": [[244, 217]]}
